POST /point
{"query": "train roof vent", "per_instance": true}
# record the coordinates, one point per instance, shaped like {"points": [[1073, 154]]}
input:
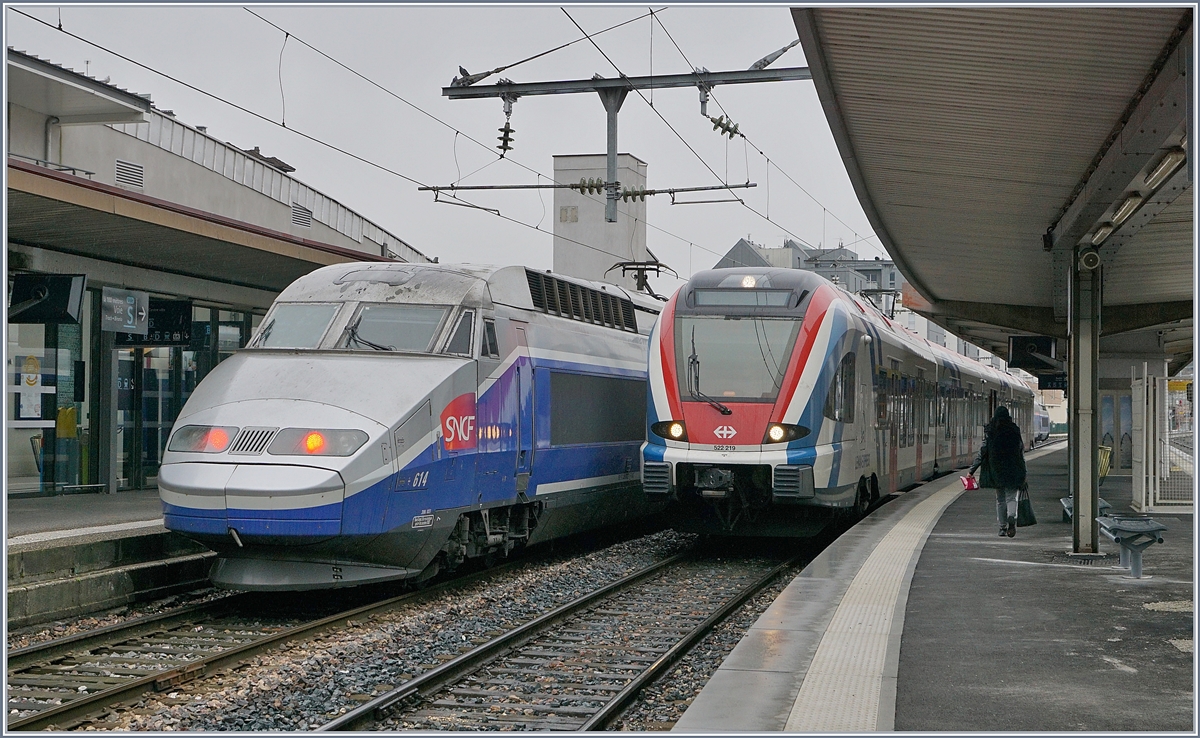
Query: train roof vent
{"points": [[252, 441], [555, 296]]}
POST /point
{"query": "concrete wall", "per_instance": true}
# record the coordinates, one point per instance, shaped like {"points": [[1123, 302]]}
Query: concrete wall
{"points": [[26, 132], [580, 218], [175, 179]]}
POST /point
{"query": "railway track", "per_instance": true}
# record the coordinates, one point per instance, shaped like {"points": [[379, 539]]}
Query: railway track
{"points": [[70, 682], [579, 666]]}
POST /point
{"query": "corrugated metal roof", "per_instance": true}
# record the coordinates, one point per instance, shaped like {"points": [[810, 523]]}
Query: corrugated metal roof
{"points": [[972, 128]]}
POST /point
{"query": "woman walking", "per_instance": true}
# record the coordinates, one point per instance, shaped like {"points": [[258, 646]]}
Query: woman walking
{"points": [[1002, 460]]}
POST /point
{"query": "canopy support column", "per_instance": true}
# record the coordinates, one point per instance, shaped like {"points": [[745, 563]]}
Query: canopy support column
{"points": [[1084, 338]]}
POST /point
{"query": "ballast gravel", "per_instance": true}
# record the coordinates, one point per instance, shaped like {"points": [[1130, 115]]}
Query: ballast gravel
{"points": [[42, 632], [302, 685], [660, 705]]}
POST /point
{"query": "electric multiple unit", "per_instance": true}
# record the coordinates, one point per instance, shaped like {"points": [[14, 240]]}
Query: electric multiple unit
{"points": [[777, 398], [391, 420]]}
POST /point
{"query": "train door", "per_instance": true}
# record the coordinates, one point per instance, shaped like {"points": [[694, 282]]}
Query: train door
{"points": [[920, 418], [892, 388], [408, 440], [497, 418], [525, 413]]}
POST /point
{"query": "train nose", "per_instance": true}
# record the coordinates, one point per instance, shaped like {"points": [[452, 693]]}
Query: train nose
{"points": [[252, 502]]}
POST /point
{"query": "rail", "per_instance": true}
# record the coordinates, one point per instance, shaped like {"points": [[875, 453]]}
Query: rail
{"points": [[553, 630], [27, 665]]}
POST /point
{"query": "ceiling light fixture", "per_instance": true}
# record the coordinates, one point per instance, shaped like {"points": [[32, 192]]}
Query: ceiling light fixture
{"points": [[1102, 233], [1165, 168], [1132, 203]]}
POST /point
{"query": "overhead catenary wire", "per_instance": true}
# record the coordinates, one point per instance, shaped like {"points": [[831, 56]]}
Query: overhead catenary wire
{"points": [[654, 18], [470, 138], [679, 135], [300, 133], [479, 143], [351, 155]]}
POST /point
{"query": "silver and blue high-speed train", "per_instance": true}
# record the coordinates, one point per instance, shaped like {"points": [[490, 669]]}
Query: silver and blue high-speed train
{"points": [[777, 397], [388, 421]]}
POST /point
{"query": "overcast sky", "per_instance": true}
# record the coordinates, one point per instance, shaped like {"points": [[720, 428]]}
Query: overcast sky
{"points": [[415, 51]]}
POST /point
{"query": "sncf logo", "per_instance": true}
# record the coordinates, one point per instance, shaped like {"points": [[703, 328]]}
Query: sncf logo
{"points": [[725, 431], [458, 423]]}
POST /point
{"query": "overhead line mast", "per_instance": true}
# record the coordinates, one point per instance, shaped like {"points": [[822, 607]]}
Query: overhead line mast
{"points": [[612, 94]]}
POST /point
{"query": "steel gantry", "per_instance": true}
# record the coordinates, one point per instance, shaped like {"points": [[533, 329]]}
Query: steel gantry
{"points": [[612, 94]]}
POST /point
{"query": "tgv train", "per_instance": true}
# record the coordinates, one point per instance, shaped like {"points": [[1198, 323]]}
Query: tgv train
{"points": [[776, 397], [388, 421]]}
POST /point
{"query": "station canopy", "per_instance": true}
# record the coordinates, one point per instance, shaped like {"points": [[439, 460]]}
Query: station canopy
{"points": [[991, 147]]}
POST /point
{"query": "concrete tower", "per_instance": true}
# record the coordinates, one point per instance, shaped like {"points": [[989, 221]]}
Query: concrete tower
{"points": [[580, 218]]}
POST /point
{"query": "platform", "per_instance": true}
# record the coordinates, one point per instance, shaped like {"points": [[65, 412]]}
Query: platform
{"points": [[72, 555], [40, 521], [921, 618]]}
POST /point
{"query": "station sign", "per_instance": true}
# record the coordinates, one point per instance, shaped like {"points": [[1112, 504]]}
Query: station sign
{"points": [[1033, 353], [169, 323], [124, 311], [1052, 382]]}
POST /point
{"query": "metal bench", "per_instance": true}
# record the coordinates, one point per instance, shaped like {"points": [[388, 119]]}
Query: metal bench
{"points": [[1134, 533], [74, 489], [1068, 504]]}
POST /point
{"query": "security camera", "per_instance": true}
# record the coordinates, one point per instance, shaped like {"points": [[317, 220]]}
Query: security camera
{"points": [[1089, 259]]}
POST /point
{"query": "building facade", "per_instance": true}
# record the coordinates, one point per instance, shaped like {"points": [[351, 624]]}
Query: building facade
{"points": [[197, 234]]}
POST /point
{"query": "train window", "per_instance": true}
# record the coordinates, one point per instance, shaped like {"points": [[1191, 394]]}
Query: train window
{"points": [[460, 340], [394, 327], [742, 298], [733, 358], [296, 325], [839, 400], [489, 346], [589, 409]]}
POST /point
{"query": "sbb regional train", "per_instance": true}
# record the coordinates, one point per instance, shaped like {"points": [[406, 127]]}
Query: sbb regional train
{"points": [[776, 398], [391, 420]]}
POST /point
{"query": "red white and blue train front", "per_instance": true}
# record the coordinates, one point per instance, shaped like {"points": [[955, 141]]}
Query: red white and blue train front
{"points": [[755, 379]]}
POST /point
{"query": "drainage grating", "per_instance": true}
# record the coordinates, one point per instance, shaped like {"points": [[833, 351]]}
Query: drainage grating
{"points": [[1104, 559]]}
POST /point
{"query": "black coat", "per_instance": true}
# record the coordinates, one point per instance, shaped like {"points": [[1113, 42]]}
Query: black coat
{"points": [[1002, 457]]}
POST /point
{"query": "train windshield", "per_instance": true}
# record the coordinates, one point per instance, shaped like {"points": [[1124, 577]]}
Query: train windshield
{"points": [[296, 325], [731, 358], [394, 327]]}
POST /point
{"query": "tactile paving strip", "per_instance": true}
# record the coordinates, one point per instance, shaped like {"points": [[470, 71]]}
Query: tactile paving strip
{"points": [[841, 688]]}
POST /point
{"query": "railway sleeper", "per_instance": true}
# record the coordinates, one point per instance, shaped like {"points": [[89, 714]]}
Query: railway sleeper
{"points": [[559, 710]]}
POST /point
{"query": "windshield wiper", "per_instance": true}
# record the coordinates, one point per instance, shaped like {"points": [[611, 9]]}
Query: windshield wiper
{"points": [[353, 331], [694, 380], [266, 333]]}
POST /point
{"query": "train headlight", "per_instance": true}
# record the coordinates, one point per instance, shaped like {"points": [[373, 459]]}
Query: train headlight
{"points": [[316, 442], [670, 429], [204, 439], [783, 433]]}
